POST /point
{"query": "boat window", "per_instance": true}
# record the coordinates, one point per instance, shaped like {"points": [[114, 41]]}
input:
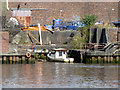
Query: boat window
{"points": [[63, 52], [52, 55], [60, 53]]}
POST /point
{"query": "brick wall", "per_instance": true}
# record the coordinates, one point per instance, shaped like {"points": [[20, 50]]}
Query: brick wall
{"points": [[106, 11], [119, 10], [4, 41], [112, 35]]}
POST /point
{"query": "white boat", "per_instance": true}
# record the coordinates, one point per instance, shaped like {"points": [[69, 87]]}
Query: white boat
{"points": [[59, 55]]}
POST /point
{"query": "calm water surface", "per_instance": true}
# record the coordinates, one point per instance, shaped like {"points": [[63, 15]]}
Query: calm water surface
{"points": [[59, 75]]}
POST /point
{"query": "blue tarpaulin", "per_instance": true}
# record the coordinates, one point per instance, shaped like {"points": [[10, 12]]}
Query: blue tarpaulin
{"points": [[116, 23]]}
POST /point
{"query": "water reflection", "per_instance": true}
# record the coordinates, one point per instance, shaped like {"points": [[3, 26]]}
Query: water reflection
{"points": [[59, 75]]}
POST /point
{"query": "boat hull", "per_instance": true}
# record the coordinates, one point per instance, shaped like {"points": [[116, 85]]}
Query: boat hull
{"points": [[52, 59], [67, 60]]}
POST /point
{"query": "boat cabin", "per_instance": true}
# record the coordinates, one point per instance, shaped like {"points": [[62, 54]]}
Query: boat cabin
{"points": [[59, 53]]}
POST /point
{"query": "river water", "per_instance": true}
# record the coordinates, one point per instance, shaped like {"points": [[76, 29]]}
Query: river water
{"points": [[59, 75]]}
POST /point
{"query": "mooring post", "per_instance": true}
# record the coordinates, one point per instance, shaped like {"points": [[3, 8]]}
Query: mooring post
{"points": [[23, 58], [99, 59], [90, 60], [4, 58], [14, 59], [108, 59], [111, 59], [81, 57], [105, 59], [11, 59], [94, 60], [17, 59], [20, 59], [117, 58]]}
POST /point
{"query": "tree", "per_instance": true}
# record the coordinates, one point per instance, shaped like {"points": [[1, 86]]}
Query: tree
{"points": [[89, 20]]}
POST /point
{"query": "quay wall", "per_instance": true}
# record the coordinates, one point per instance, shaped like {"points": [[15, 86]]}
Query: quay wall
{"points": [[57, 37], [93, 57], [65, 37]]}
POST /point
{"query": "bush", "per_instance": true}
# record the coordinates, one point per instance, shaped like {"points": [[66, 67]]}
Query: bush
{"points": [[42, 57], [89, 20], [82, 37], [37, 56]]}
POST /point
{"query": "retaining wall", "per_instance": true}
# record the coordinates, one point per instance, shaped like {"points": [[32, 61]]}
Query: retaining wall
{"points": [[58, 37]]}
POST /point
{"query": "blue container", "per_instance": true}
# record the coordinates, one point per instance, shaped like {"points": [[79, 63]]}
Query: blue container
{"points": [[56, 22]]}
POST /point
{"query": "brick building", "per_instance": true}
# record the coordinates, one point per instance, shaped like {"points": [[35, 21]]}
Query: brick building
{"points": [[45, 12]]}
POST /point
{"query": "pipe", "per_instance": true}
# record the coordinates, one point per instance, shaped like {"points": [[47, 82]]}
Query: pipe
{"points": [[7, 4]]}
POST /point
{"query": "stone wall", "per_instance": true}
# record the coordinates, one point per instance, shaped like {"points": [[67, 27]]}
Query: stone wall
{"points": [[4, 40], [106, 11]]}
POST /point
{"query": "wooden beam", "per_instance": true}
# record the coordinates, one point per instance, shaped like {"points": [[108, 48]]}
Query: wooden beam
{"points": [[34, 38]]}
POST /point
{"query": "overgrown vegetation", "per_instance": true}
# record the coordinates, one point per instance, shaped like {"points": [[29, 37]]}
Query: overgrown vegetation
{"points": [[40, 56], [83, 36], [89, 20]]}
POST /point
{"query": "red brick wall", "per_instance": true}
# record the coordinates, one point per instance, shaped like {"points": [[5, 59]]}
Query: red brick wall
{"points": [[4, 42], [106, 11]]}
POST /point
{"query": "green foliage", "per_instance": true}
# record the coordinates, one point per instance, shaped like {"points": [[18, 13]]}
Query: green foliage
{"points": [[89, 20], [82, 37], [38, 56], [42, 57]]}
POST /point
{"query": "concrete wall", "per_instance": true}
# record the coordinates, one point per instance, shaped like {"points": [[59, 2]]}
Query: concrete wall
{"points": [[63, 37], [118, 38], [58, 37], [104, 35], [4, 40], [106, 11]]}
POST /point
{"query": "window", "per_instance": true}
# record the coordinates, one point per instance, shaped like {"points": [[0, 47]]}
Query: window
{"points": [[60, 53], [63, 52]]}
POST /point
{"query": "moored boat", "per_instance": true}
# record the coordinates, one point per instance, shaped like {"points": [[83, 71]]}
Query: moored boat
{"points": [[59, 55]]}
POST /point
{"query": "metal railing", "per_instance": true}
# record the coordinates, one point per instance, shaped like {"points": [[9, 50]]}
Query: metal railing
{"points": [[92, 46]]}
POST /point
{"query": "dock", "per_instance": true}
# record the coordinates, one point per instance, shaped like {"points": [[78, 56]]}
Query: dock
{"points": [[83, 56]]}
